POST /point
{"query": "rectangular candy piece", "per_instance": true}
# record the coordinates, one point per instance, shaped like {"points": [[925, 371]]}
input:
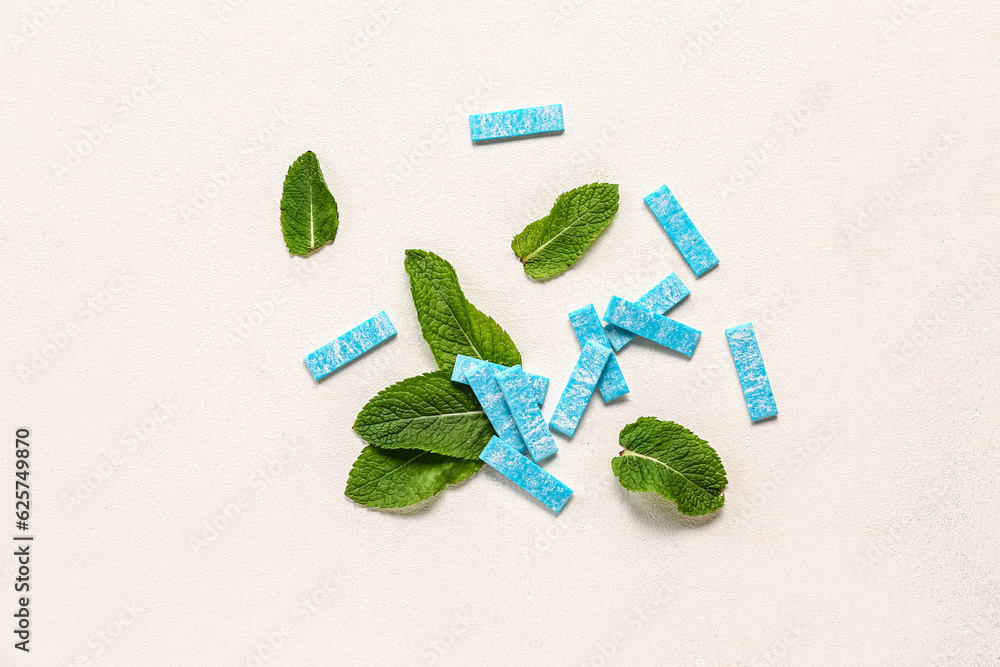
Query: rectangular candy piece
{"points": [[517, 391], [463, 363], [576, 395], [526, 474], [750, 368], [483, 381], [657, 328], [588, 328], [668, 293], [516, 123], [351, 345], [681, 230]]}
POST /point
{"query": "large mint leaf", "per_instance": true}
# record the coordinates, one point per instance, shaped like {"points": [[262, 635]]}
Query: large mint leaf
{"points": [[428, 412], [549, 246], [401, 477], [308, 210], [450, 324], [668, 459]]}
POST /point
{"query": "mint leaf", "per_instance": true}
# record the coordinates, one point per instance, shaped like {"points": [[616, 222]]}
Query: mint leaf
{"points": [[308, 210], [428, 412], [549, 246], [450, 324], [668, 459], [401, 477]]}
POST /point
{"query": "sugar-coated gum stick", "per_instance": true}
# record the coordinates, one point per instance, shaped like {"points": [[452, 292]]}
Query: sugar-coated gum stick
{"points": [[462, 363], [668, 293], [516, 123], [483, 381], [580, 388], [588, 328], [657, 328], [750, 368], [526, 474], [350, 346], [517, 392], [681, 230]]}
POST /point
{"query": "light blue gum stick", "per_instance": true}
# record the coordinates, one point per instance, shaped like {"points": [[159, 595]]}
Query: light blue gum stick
{"points": [[526, 474], [520, 400], [668, 293], [580, 387], [484, 384], [516, 123], [588, 328], [750, 368], [539, 384], [350, 346], [657, 328], [681, 230]]}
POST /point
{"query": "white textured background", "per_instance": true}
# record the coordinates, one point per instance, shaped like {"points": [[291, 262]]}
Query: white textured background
{"points": [[840, 158]]}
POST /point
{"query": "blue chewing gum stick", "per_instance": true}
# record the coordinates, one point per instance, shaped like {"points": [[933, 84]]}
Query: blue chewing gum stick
{"points": [[516, 123], [657, 328], [517, 392], [484, 384], [750, 368], [526, 474], [681, 230], [350, 346], [463, 363], [668, 293], [580, 387], [588, 328]]}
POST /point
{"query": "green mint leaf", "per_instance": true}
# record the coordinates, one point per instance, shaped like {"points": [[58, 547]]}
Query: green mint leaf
{"points": [[450, 324], [428, 412], [401, 477], [308, 210], [549, 246], [668, 459]]}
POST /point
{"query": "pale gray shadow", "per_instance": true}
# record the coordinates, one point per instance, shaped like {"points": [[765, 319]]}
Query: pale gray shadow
{"points": [[657, 512], [519, 138]]}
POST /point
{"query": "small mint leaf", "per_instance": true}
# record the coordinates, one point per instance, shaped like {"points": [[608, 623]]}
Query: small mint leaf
{"points": [[428, 412], [549, 246], [666, 458], [308, 210], [401, 477], [450, 324]]}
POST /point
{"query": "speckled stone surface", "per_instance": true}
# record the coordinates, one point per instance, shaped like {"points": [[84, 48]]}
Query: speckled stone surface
{"points": [[516, 123], [668, 293], [526, 474], [517, 392], [483, 381], [588, 328], [350, 346], [657, 328], [580, 388], [681, 230], [750, 368], [539, 384]]}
